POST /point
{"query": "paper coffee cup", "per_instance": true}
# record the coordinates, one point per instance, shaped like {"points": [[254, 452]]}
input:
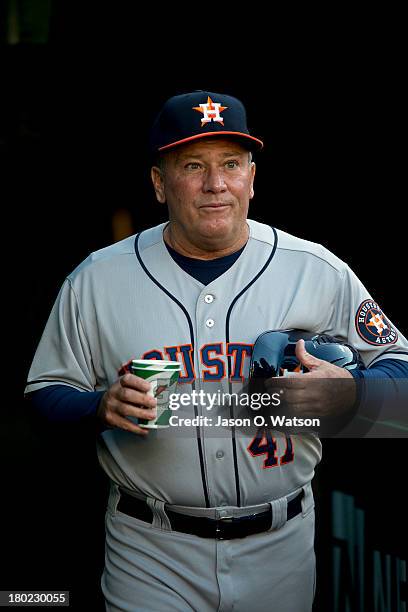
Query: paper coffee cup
{"points": [[162, 376]]}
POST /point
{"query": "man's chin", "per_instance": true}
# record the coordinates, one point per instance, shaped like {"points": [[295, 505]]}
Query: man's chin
{"points": [[216, 229]]}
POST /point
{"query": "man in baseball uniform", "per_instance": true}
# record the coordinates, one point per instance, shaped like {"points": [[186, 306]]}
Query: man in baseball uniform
{"points": [[203, 522]]}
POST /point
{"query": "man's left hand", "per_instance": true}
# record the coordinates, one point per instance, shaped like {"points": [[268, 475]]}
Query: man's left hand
{"points": [[333, 393]]}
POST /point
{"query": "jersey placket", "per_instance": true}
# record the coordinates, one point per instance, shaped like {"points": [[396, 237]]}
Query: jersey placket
{"points": [[210, 345]]}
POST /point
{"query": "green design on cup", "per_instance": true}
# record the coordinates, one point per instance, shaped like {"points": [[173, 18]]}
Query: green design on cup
{"points": [[161, 373], [144, 373], [163, 419]]}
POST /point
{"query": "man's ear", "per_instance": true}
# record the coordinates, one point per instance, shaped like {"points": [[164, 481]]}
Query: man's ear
{"points": [[158, 184], [251, 190]]}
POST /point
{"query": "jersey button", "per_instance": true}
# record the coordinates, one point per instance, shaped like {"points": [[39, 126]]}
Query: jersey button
{"points": [[209, 322], [219, 454], [208, 298]]}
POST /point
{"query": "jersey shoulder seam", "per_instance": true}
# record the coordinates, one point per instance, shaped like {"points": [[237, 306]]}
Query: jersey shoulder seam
{"points": [[79, 314], [280, 236], [340, 270]]}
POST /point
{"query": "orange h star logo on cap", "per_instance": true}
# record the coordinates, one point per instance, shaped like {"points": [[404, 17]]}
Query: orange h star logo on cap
{"points": [[211, 111]]}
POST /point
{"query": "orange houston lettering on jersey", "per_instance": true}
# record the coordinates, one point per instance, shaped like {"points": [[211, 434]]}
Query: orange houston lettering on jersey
{"points": [[212, 355]]}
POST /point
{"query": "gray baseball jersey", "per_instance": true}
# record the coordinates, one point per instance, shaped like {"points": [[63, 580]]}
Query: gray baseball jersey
{"points": [[131, 300]]}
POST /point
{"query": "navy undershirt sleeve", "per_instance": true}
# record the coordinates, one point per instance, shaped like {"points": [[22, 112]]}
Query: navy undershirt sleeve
{"points": [[386, 368], [60, 403], [374, 394]]}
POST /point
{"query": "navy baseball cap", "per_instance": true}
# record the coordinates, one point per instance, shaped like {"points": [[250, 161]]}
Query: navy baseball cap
{"points": [[200, 114]]}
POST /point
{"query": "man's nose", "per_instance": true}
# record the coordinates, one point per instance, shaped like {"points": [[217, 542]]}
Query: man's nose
{"points": [[214, 180]]}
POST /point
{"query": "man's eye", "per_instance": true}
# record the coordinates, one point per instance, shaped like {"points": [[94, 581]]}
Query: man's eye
{"points": [[232, 163], [192, 166]]}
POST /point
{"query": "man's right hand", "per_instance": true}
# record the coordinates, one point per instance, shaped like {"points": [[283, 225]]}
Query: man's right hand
{"points": [[127, 397]]}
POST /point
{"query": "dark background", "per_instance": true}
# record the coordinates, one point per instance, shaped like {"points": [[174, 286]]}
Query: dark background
{"points": [[81, 89]]}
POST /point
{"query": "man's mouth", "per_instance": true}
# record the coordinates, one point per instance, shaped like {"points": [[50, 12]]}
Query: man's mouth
{"points": [[214, 205]]}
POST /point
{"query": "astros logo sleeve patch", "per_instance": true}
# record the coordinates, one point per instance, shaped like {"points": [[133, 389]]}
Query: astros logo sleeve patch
{"points": [[373, 326]]}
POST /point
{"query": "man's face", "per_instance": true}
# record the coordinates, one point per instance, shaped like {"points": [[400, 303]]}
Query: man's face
{"points": [[207, 185]]}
